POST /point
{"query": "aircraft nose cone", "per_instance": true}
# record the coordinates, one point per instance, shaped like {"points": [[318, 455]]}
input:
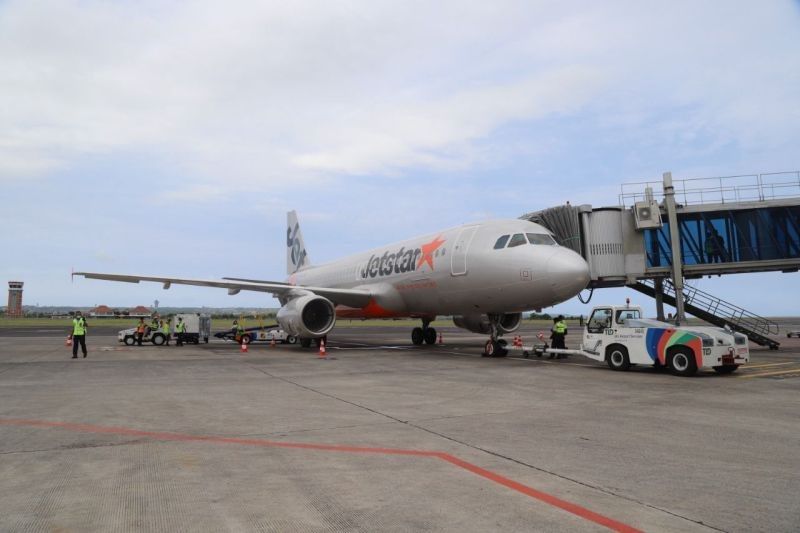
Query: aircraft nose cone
{"points": [[568, 274]]}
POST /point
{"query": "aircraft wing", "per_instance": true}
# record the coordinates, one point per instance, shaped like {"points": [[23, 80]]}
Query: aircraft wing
{"points": [[350, 297]]}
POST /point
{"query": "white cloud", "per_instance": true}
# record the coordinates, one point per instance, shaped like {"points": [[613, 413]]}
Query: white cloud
{"points": [[259, 94]]}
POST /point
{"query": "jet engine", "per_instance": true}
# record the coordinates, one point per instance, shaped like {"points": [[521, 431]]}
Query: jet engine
{"points": [[509, 322], [308, 316]]}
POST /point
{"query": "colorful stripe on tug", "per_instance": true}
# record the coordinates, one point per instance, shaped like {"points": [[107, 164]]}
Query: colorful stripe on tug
{"points": [[659, 340]]}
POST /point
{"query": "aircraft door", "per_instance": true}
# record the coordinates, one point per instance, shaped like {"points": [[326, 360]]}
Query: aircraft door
{"points": [[458, 259]]}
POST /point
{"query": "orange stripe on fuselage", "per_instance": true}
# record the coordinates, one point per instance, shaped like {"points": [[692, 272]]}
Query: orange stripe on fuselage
{"points": [[372, 310]]}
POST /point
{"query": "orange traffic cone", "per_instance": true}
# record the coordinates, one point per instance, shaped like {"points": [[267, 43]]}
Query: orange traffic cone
{"points": [[68, 342], [244, 347], [322, 353], [272, 342], [440, 337]]}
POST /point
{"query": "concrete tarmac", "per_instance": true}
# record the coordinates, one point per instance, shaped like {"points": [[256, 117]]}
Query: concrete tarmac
{"points": [[385, 436]]}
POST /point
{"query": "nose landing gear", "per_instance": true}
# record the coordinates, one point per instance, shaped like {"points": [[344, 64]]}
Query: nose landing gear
{"points": [[424, 334], [495, 346]]}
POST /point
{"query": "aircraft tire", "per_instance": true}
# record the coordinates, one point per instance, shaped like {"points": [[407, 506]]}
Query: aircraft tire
{"points": [[494, 349], [430, 335], [488, 349], [417, 336]]}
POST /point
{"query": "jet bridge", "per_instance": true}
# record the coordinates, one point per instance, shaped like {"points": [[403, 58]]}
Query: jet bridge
{"points": [[725, 225]]}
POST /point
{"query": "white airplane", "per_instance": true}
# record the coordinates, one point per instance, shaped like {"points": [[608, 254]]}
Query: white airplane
{"points": [[483, 274]]}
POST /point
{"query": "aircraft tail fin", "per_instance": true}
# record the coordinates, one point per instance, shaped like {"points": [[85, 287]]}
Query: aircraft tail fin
{"points": [[296, 256]]}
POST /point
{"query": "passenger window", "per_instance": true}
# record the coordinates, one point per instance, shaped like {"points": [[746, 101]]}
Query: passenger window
{"points": [[517, 240], [540, 238], [599, 321], [501, 242]]}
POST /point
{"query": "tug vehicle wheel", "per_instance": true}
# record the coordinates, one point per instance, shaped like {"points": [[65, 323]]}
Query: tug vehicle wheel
{"points": [[617, 357], [682, 363]]}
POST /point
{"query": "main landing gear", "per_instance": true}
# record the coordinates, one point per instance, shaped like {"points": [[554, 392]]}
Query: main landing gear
{"points": [[424, 334], [495, 347]]}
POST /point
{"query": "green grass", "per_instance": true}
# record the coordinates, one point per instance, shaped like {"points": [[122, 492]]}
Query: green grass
{"points": [[64, 322]]}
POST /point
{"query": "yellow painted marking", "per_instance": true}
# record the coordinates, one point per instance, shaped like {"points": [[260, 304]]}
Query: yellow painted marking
{"points": [[778, 373], [769, 364]]}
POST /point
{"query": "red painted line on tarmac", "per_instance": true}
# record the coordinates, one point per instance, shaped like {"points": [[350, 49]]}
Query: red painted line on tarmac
{"points": [[541, 496], [544, 497]]}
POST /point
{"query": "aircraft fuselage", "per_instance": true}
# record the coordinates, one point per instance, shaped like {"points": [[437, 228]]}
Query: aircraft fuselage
{"points": [[457, 271]]}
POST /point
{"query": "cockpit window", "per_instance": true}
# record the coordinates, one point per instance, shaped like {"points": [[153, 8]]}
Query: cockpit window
{"points": [[517, 240], [540, 238], [501, 242]]}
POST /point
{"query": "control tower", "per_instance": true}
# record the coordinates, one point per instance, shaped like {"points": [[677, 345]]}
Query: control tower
{"points": [[14, 298]]}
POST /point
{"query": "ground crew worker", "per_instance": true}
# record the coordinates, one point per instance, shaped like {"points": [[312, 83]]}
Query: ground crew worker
{"points": [[78, 334], [155, 323], [239, 329], [165, 331], [558, 334], [180, 329], [140, 329]]}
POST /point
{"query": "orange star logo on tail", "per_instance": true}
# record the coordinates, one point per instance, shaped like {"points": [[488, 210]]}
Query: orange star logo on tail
{"points": [[427, 252]]}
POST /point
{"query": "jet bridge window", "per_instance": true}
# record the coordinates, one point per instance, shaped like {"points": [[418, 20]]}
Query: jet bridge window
{"points": [[540, 238], [517, 240], [599, 321], [501, 242]]}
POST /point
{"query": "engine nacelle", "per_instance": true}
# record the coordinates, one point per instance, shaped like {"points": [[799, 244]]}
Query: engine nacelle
{"points": [[309, 316], [509, 322]]}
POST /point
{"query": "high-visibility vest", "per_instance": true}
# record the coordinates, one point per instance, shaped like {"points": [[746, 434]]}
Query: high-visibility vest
{"points": [[140, 328], [560, 327], [180, 327], [165, 327], [79, 326]]}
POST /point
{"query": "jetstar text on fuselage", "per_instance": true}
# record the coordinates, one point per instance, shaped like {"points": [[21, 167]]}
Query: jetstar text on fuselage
{"points": [[402, 261]]}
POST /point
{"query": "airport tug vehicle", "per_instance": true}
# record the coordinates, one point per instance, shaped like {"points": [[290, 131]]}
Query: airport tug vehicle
{"points": [[258, 333], [620, 336]]}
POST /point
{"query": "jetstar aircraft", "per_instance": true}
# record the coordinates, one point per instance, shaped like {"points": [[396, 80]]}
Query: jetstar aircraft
{"points": [[484, 275]]}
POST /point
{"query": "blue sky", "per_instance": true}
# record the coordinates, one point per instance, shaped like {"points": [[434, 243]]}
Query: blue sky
{"points": [[171, 138]]}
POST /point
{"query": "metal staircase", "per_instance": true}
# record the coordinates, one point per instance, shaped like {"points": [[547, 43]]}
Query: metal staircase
{"points": [[716, 311]]}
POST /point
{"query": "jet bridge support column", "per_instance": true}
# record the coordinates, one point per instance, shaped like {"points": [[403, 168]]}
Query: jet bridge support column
{"points": [[658, 284], [675, 242]]}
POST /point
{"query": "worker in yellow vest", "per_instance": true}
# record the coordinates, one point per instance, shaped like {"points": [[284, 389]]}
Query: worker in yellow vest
{"points": [[238, 329], [180, 329], [165, 331], [558, 334], [78, 334]]}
